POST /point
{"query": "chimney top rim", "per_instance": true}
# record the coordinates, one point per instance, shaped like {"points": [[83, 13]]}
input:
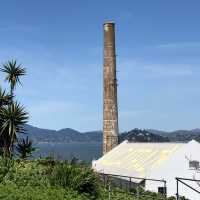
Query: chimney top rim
{"points": [[109, 22]]}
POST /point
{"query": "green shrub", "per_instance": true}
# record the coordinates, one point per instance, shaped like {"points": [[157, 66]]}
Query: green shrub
{"points": [[171, 198], [54, 180], [6, 167], [25, 173], [79, 178], [13, 192]]}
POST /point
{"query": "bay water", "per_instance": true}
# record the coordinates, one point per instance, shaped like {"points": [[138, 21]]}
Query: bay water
{"points": [[85, 151]]}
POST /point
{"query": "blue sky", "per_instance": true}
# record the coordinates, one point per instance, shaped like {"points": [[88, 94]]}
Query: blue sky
{"points": [[60, 44]]}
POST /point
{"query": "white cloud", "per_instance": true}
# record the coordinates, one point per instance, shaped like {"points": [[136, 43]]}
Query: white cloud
{"points": [[61, 114], [179, 45], [167, 70], [140, 69]]}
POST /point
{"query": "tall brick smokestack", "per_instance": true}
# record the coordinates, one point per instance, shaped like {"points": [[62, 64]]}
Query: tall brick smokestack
{"points": [[110, 108]]}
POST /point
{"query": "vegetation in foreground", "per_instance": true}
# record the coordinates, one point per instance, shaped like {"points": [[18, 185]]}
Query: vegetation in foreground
{"points": [[46, 179]]}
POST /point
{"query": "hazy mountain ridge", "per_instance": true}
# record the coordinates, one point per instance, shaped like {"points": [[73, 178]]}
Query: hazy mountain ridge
{"points": [[136, 135], [179, 135], [63, 135]]}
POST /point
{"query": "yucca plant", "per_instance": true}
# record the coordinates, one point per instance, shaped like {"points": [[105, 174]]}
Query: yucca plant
{"points": [[12, 115], [13, 118], [13, 72], [5, 98], [25, 148]]}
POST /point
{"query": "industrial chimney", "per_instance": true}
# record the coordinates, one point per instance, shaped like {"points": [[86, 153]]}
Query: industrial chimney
{"points": [[110, 108]]}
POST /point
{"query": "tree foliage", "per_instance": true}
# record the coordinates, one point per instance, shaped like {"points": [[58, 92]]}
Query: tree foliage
{"points": [[13, 72], [12, 114], [25, 148]]}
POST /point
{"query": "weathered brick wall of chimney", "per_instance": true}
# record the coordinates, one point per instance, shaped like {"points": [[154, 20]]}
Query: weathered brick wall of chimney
{"points": [[110, 108]]}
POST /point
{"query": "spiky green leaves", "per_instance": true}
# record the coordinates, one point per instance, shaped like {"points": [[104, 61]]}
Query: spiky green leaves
{"points": [[13, 72], [25, 148], [5, 98], [13, 117]]}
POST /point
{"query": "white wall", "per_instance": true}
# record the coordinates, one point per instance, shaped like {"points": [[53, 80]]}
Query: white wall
{"points": [[178, 166]]}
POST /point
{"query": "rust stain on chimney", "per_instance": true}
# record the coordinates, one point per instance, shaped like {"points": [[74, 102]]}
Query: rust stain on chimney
{"points": [[110, 107]]}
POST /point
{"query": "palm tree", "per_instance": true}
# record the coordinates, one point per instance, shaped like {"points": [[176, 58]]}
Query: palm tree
{"points": [[25, 148], [13, 118], [13, 72]]}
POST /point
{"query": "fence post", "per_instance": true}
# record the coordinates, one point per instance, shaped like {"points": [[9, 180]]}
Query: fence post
{"points": [[165, 186], [109, 191], [177, 192], [129, 184], [104, 180], [137, 191]]}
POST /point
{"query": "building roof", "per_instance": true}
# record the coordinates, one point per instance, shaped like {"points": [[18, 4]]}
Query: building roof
{"points": [[161, 161], [136, 159]]}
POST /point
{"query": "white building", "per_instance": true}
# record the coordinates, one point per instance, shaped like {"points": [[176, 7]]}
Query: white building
{"points": [[155, 161]]}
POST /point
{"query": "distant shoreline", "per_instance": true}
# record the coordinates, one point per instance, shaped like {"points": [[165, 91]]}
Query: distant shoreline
{"points": [[75, 142]]}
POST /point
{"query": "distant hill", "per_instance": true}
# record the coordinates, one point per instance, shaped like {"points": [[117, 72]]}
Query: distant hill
{"points": [[63, 135], [184, 135], [136, 135], [158, 132], [179, 135]]}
